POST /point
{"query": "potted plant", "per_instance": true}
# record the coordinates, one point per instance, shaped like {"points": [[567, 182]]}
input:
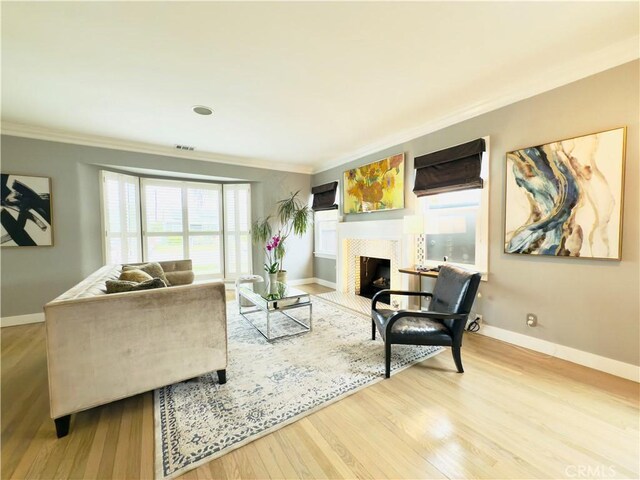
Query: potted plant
{"points": [[271, 265], [292, 217]]}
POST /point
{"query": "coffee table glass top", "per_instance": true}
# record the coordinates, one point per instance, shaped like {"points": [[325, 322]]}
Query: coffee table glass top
{"points": [[282, 296]]}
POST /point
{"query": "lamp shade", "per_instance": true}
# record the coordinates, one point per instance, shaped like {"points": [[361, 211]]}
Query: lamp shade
{"points": [[413, 224]]}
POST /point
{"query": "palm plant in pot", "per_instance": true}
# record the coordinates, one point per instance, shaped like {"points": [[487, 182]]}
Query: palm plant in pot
{"points": [[292, 217]]}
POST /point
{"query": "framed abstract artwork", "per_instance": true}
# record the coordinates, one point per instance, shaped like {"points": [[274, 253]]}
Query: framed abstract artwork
{"points": [[565, 198], [25, 213], [375, 186]]}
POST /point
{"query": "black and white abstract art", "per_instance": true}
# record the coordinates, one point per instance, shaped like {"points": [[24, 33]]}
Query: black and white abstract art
{"points": [[565, 198], [26, 211]]}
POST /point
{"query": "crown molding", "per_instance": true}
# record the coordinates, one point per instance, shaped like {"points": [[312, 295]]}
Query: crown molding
{"points": [[570, 71], [54, 135], [590, 64]]}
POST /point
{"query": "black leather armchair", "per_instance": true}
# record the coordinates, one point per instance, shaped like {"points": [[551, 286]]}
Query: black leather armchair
{"points": [[443, 324]]}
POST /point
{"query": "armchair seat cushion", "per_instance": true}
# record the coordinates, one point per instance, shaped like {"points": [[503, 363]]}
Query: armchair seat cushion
{"points": [[412, 330]]}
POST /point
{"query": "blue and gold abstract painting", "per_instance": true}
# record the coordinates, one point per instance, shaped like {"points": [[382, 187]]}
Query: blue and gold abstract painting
{"points": [[565, 198]]}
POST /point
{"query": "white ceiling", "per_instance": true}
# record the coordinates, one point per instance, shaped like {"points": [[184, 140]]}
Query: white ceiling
{"points": [[299, 86]]}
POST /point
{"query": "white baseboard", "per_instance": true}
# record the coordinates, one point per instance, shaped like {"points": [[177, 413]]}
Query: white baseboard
{"points": [[22, 319], [591, 360], [325, 283], [300, 281], [305, 281]]}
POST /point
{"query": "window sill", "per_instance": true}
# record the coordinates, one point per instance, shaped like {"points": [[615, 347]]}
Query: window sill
{"points": [[330, 256]]}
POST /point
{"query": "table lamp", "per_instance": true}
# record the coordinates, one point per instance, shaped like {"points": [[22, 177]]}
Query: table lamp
{"points": [[414, 225]]}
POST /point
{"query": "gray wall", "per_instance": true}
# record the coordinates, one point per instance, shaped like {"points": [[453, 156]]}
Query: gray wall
{"points": [[31, 276], [325, 269], [590, 305]]}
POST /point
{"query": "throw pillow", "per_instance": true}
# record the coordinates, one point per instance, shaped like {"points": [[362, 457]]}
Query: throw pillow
{"points": [[135, 275], [119, 286], [153, 268]]}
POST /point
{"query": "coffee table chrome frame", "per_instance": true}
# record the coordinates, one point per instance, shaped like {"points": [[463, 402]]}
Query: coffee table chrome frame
{"points": [[267, 336]]}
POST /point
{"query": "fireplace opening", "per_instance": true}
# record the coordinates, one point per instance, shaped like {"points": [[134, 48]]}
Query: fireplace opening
{"points": [[375, 275]]}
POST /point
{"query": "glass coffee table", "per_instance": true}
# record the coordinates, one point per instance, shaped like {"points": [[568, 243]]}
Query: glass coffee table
{"points": [[276, 305]]}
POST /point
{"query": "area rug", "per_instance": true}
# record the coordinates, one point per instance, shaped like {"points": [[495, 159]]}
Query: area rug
{"points": [[351, 301], [269, 385]]}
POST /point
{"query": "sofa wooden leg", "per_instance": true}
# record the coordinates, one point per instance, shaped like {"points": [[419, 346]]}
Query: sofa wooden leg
{"points": [[457, 357], [62, 425], [387, 360], [222, 376], [373, 330]]}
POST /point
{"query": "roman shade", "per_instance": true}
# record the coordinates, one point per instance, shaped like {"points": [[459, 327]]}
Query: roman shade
{"points": [[324, 197], [449, 170]]}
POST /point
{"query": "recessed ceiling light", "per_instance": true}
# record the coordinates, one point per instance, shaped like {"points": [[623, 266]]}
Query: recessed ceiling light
{"points": [[202, 110]]}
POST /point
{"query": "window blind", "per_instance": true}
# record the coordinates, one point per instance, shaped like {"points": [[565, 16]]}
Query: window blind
{"points": [[121, 218], [237, 228], [184, 220], [324, 197], [449, 170]]}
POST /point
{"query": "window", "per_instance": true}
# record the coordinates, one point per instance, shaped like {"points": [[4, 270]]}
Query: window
{"points": [[121, 218], [457, 224], [237, 228], [183, 220], [325, 225], [158, 220]]}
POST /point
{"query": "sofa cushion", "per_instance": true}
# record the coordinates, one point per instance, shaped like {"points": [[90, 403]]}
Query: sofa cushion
{"points": [[119, 286], [185, 277], [135, 275], [152, 268]]}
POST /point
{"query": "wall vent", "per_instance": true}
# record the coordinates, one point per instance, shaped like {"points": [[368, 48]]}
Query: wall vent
{"points": [[185, 147]]}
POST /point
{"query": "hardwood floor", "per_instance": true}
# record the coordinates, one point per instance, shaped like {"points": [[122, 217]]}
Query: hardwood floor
{"points": [[513, 414]]}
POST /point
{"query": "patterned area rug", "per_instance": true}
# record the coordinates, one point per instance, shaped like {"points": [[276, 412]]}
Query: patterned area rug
{"points": [[269, 385], [351, 301]]}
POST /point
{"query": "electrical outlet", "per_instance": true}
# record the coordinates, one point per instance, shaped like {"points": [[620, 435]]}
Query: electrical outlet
{"points": [[479, 319], [532, 320]]}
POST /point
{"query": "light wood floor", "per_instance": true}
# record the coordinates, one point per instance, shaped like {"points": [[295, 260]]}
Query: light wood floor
{"points": [[513, 414]]}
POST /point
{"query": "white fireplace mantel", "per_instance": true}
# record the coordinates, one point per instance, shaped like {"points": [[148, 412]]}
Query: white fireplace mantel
{"points": [[374, 230]]}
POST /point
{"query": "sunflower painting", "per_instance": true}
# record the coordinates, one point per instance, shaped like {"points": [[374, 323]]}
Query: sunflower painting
{"points": [[375, 186]]}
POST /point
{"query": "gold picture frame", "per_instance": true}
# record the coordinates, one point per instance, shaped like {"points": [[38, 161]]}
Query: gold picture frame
{"points": [[375, 186], [566, 198]]}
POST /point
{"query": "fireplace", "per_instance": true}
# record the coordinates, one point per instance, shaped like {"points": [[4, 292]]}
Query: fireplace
{"points": [[375, 239], [375, 275]]}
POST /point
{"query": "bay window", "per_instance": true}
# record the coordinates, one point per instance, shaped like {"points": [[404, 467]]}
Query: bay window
{"points": [[168, 220]]}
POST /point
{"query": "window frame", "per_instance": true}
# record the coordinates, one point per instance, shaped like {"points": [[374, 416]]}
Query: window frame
{"points": [[186, 234], [105, 175], [481, 263], [318, 252], [237, 234]]}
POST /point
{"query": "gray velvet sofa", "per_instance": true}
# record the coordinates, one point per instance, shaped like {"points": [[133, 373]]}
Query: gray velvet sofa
{"points": [[103, 347]]}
